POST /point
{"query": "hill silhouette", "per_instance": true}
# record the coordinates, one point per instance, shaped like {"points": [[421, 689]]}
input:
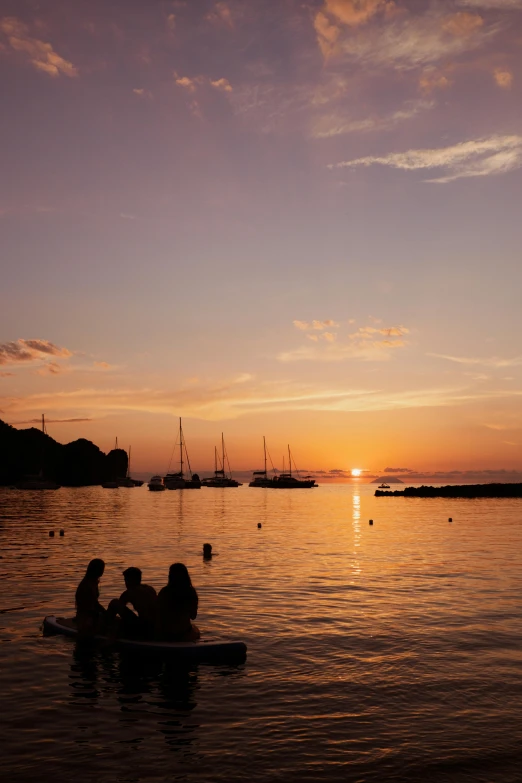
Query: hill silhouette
{"points": [[78, 464]]}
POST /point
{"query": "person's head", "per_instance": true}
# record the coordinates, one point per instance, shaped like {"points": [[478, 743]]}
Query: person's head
{"points": [[95, 569], [207, 550], [179, 577], [132, 577]]}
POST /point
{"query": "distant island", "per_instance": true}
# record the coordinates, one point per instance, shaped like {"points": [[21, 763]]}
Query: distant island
{"points": [[387, 480], [31, 452], [462, 491]]}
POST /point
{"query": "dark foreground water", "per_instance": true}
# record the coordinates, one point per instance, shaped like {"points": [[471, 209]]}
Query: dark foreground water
{"points": [[383, 653]]}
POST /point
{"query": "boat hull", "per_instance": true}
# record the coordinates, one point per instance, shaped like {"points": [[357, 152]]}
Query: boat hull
{"points": [[37, 485]]}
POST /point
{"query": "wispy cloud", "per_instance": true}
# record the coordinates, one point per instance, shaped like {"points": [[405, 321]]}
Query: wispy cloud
{"points": [[484, 362], [236, 397], [432, 79], [30, 350], [388, 35], [317, 325], [480, 158], [51, 368], [221, 14], [191, 83], [499, 5], [41, 54], [338, 122], [221, 84], [368, 343], [141, 92], [186, 82], [52, 421], [503, 77]]}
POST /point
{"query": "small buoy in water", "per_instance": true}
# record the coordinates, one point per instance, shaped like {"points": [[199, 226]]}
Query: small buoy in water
{"points": [[62, 532], [51, 533], [258, 525], [450, 519], [371, 522], [207, 551]]}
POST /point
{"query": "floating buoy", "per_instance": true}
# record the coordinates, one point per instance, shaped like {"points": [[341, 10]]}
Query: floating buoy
{"points": [[51, 533], [207, 551], [258, 525], [371, 522], [62, 532], [450, 519]]}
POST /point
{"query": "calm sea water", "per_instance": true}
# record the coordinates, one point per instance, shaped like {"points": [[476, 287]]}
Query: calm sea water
{"points": [[390, 652]]}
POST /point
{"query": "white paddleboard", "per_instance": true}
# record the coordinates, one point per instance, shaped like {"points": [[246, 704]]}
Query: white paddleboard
{"points": [[215, 650]]}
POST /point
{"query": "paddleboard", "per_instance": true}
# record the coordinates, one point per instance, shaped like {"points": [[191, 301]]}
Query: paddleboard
{"points": [[208, 651]]}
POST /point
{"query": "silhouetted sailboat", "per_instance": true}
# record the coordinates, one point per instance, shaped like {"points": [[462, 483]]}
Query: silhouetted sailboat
{"points": [[178, 480], [38, 482], [128, 481], [284, 480], [260, 477], [221, 478], [288, 481]]}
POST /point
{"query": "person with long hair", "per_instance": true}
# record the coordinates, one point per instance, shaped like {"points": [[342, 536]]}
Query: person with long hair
{"points": [[177, 606], [89, 612]]}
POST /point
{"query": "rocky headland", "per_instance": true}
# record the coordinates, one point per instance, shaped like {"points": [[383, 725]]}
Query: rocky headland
{"points": [[31, 452]]}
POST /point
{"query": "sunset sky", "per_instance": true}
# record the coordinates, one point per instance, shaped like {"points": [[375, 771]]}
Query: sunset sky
{"points": [[271, 217]]}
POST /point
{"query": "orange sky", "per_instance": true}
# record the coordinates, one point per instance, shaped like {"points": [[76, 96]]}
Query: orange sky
{"points": [[302, 223]]}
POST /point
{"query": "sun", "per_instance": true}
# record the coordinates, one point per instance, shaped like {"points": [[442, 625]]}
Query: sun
{"points": [[356, 472]]}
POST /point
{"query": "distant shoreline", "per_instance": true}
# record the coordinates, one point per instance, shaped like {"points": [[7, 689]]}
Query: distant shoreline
{"points": [[456, 491]]}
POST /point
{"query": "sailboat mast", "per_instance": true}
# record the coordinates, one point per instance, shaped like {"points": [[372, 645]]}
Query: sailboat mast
{"points": [[264, 449], [223, 454], [180, 448], [43, 423], [289, 461], [215, 461], [128, 463]]}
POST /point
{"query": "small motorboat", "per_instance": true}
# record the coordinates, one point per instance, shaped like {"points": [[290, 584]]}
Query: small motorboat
{"points": [[156, 484], [384, 486]]}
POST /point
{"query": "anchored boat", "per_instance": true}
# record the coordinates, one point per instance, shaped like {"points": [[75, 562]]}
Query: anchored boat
{"points": [[261, 477], [179, 480], [156, 484], [38, 482], [289, 481], [220, 478]]}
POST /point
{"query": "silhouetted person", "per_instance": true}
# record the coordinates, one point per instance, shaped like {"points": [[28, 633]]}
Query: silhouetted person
{"points": [[207, 551], [177, 606], [139, 624], [90, 613]]}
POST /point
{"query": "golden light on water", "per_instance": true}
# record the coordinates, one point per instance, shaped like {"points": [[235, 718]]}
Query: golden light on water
{"points": [[356, 472]]}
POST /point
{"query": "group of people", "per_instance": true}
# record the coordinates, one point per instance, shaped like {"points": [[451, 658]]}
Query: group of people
{"points": [[164, 616]]}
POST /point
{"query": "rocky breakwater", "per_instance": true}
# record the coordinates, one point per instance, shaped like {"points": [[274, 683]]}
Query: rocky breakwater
{"points": [[454, 491]]}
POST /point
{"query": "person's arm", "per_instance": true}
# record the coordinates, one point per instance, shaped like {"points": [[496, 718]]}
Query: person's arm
{"points": [[124, 598]]}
